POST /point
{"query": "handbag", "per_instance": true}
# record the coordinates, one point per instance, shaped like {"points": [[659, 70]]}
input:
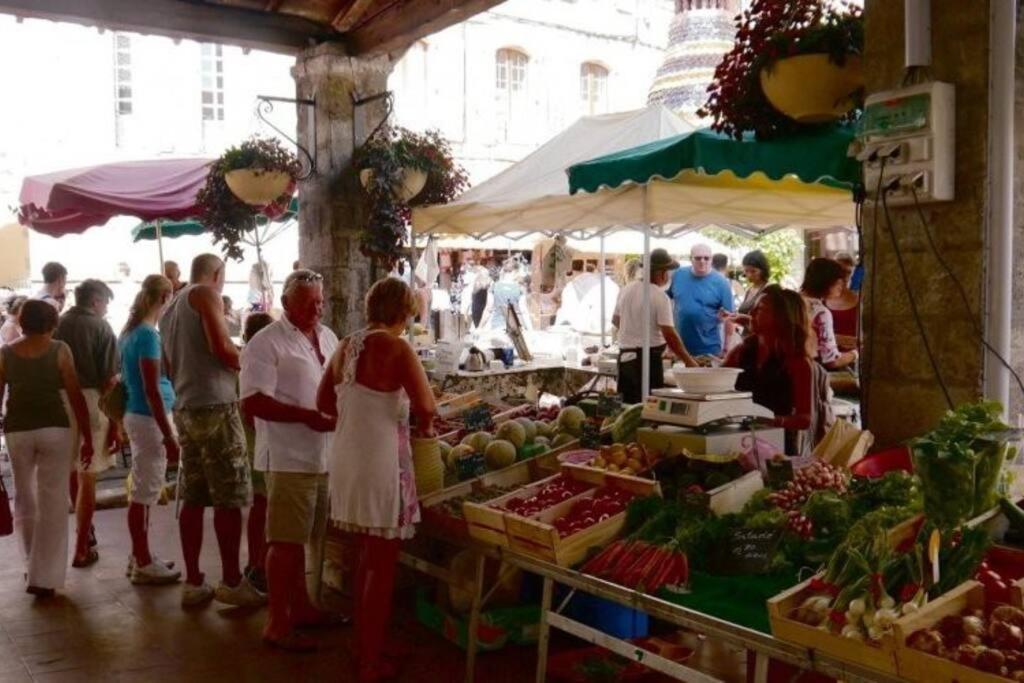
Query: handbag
{"points": [[6, 518], [114, 403]]}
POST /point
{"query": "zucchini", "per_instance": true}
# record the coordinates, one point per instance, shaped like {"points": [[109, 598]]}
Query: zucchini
{"points": [[1013, 514]]}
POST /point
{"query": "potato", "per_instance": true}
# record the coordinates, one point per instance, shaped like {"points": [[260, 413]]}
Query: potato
{"points": [[634, 464]]}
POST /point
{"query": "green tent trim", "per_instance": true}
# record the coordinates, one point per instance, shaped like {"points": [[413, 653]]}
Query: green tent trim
{"points": [[172, 229]]}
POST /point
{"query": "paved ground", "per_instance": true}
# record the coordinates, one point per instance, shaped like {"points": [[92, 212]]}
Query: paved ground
{"points": [[101, 625]]}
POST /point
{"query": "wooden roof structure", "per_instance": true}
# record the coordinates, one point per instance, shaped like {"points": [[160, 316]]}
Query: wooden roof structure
{"points": [[364, 27]]}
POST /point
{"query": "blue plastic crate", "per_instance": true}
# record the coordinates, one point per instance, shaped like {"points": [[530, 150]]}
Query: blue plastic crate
{"points": [[608, 617]]}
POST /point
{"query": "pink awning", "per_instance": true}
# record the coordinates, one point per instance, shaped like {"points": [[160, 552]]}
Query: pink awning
{"points": [[74, 200]]}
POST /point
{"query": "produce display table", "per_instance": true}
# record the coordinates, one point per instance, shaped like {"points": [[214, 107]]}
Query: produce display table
{"points": [[550, 377], [761, 645]]}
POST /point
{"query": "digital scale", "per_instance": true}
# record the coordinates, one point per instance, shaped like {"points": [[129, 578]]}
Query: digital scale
{"points": [[694, 410]]}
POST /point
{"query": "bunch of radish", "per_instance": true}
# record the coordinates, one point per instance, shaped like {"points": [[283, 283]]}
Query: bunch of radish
{"points": [[815, 477]]}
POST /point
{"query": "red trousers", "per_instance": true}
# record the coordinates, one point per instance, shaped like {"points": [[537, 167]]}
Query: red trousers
{"points": [[373, 590]]}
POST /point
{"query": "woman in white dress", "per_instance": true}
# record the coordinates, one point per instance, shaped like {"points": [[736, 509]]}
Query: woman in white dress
{"points": [[373, 382]]}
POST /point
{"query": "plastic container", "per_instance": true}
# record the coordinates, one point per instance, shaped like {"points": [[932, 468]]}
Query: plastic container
{"points": [[610, 617], [877, 464]]}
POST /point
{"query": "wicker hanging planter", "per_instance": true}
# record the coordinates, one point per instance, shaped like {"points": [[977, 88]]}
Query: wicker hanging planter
{"points": [[257, 187], [812, 88], [413, 182]]}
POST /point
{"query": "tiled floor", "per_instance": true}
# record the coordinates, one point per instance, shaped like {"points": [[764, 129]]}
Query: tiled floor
{"points": [[103, 628]]}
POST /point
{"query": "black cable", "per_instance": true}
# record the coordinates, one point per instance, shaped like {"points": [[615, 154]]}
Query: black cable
{"points": [[869, 365], [962, 291], [913, 303]]}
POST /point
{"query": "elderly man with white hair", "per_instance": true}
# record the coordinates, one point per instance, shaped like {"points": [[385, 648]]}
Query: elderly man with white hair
{"points": [[699, 293]]}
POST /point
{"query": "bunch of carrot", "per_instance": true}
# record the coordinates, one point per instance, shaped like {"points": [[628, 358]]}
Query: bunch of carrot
{"points": [[640, 565]]}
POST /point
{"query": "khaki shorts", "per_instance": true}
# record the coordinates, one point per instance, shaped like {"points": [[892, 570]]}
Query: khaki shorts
{"points": [[102, 459], [214, 465], [296, 506]]}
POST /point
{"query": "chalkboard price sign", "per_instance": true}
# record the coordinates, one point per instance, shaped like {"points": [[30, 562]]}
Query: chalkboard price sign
{"points": [[777, 472], [470, 466], [609, 405], [590, 437], [478, 419], [747, 551]]}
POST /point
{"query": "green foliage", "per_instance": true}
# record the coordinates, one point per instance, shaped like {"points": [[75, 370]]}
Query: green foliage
{"points": [[780, 247], [387, 153], [227, 216]]}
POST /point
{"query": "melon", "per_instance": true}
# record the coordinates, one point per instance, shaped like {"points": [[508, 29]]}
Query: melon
{"points": [[460, 451], [571, 420], [544, 428], [500, 454], [543, 440], [511, 431], [478, 441], [446, 453], [530, 426], [562, 440]]}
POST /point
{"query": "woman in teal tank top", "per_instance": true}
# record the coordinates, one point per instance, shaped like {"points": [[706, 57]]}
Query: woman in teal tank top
{"points": [[34, 369]]}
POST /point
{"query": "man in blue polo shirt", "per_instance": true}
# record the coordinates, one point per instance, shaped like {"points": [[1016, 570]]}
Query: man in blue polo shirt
{"points": [[699, 293]]}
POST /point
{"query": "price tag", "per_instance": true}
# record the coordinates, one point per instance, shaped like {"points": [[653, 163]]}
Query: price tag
{"points": [[609, 405], [777, 472], [590, 437], [470, 466], [747, 551], [478, 419]]}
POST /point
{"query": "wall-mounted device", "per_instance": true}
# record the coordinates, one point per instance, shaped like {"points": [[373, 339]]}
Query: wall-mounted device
{"points": [[909, 136]]}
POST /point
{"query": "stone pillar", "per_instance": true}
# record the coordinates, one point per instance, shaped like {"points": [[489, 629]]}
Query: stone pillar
{"points": [[333, 204], [903, 398], [1017, 322]]}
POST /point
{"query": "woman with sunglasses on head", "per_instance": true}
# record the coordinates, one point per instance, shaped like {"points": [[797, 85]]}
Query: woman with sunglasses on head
{"points": [[823, 280]]}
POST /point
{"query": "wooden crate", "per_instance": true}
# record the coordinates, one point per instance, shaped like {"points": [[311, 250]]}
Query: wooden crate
{"points": [[881, 656], [731, 497], [915, 665], [487, 521], [537, 536]]}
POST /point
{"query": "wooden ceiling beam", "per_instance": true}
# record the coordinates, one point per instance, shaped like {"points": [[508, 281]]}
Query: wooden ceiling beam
{"points": [[403, 23], [345, 19], [191, 20]]}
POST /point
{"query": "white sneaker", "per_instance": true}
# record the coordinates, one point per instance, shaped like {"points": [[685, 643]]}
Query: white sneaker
{"points": [[242, 595], [131, 564], [193, 595], [154, 573]]}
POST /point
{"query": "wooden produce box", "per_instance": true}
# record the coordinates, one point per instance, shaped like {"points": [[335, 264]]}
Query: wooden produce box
{"points": [[537, 536], [916, 665], [880, 656], [487, 521], [731, 497]]}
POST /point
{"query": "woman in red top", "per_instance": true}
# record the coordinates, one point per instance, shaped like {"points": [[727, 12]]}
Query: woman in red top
{"points": [[845, 307], [776, 361]]}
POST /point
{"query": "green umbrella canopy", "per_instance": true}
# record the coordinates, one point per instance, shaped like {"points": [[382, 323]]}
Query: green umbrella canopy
{"points": [[816, 157], [147, 231]]}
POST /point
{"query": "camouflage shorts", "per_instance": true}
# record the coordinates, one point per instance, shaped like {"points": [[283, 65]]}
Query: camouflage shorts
{"points": [[214, 465]]}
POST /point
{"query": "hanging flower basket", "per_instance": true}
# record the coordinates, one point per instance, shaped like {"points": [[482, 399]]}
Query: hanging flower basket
{"points": [[413, 181], [257, 187], [812, 88], [257, 176], [400, 169]]}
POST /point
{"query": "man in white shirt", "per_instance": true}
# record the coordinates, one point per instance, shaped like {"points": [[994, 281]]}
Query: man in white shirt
{"points": [[281, 370], [629, 319], [55, 282]]}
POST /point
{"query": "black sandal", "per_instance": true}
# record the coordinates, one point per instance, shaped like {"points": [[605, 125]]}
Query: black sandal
{"points": [[91, 558]]}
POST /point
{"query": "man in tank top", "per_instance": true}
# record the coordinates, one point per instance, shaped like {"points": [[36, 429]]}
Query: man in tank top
{"points": [[203, 365]]}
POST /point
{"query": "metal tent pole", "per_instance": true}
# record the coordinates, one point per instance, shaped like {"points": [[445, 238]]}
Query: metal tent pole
{"points": [[412, 275], [646, 360], [603, 315], [160, 244]]}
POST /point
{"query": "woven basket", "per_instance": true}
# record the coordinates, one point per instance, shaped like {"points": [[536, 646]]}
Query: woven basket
{"points": [[428, 465]]}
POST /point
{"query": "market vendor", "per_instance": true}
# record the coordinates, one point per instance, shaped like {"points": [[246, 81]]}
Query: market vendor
{"points": [[629, 319], [776, 363]]}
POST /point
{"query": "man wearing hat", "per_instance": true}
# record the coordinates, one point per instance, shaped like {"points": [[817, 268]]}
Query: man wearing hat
{"points": [[630, 321]]}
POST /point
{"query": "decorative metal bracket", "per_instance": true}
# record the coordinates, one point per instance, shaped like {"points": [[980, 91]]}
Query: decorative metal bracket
{"points": [[389, 104], [265, 107]]}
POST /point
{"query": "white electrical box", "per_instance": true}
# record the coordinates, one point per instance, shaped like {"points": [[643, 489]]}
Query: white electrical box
{"points": [[907, 136]]}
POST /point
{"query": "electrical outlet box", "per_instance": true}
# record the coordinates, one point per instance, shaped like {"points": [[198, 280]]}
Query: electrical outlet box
{"points": [[908, 142]]}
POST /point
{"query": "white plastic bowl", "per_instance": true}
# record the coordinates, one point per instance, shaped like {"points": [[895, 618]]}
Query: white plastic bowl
{"points": [[706, 380]]}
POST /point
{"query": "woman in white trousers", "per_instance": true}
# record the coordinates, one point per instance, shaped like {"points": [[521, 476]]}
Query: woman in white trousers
{"points": [[34, 369]]}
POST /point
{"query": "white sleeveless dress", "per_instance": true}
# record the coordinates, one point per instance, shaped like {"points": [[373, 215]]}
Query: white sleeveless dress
{"points": [[370, 472]]}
